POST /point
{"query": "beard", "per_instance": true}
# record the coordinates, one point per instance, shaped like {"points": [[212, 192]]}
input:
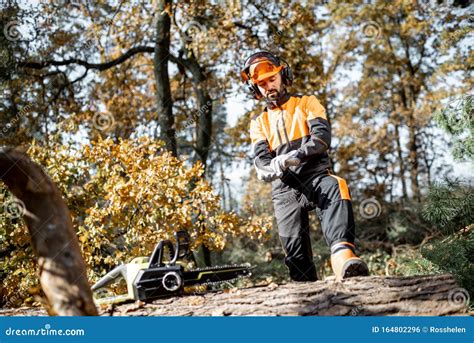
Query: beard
{"points": [[274, 94]]}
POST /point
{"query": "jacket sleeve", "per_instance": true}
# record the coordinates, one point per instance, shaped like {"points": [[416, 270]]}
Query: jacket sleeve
{"points": [[260, 146], [319, 128]]}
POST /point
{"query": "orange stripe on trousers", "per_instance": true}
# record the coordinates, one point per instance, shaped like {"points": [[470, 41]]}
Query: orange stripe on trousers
{"points": [[343, 189]]}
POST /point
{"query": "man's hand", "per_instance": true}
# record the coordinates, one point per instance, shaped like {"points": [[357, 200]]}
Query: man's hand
{"points": [[280, 163], [265, 173], [276, 167]]}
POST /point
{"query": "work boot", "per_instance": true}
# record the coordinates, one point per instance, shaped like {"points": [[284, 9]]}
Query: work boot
{"points": [[345, 262]]}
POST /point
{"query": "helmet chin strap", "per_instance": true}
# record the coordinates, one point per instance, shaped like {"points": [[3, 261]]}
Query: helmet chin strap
{"points": [[281, 98]]}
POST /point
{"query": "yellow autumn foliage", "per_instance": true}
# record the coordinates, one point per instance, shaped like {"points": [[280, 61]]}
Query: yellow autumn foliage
{"points": [[124, 197]]}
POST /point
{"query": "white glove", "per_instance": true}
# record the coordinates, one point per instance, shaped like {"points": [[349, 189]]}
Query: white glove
{"points": [[265, 173], [281, 163]]}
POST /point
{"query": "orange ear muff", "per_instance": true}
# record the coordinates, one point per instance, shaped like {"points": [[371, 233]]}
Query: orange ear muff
{"points": [[244, 76]]}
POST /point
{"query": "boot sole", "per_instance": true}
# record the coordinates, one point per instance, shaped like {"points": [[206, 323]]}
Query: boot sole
{"points": [[355, 268]]}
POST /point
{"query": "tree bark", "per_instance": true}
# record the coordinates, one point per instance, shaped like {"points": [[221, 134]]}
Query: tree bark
{"points": [[61, 269], [204, 121], [430, 295], [163, 89], [413, 159], [203, 129]]}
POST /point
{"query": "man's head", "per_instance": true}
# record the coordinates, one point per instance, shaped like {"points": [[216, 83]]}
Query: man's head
{"points": [[266, 77]]}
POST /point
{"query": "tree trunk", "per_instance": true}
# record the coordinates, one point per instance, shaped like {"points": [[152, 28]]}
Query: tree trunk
{"points": [[413, 159], [203, 129], [203, 124], [61, 269], [431, 295], [163, 90], [402, 163]]}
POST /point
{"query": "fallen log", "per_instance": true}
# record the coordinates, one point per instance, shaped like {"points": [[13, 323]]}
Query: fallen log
{"points": [[432, 295], [61, 269]]}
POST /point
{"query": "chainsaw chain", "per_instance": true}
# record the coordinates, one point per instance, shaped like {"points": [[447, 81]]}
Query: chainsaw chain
{"points": [[223, 267], [226, 266], [223, 281]]}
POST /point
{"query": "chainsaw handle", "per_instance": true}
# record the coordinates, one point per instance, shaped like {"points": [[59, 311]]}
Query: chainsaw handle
{"points": [[182, 245], [110, 276], [178, 251], [156, 259]]}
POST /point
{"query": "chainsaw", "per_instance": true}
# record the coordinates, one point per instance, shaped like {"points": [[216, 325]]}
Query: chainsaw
{"points": [[151, 278]]}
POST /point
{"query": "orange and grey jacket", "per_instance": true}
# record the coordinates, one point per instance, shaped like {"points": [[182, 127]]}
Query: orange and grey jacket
{"points": [[300, 123]]}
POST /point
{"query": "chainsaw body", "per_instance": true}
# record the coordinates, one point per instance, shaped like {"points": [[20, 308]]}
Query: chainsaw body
{"points": [[149, 279]]}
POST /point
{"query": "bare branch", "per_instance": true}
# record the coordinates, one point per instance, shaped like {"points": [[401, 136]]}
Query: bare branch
{"points": [[97, 66]]}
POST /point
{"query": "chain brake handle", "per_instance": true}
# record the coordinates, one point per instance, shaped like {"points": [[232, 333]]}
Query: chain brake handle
{"points": [[179, 250]]}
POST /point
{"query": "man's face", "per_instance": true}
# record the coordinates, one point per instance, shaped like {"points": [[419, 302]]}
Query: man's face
{"points": [[271, 87]]}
